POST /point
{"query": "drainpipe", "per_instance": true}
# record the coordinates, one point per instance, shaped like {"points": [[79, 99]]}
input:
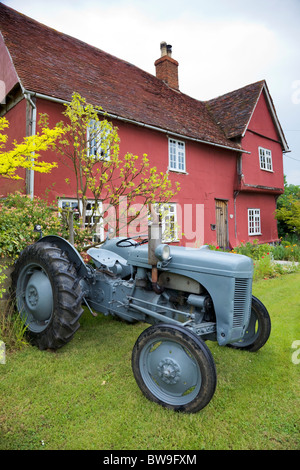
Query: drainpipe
{"points": [[235, 195], [32, 132]]}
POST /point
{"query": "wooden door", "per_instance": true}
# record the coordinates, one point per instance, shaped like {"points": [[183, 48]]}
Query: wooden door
{"points": [[222, 223]]}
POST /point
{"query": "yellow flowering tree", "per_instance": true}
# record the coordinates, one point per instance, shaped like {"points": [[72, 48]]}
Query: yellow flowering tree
{"points": [[26, 154], [122, 184]]}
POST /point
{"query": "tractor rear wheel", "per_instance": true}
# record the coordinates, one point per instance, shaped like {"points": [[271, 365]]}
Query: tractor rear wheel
{"points": [[48, 295], [174, 368]]}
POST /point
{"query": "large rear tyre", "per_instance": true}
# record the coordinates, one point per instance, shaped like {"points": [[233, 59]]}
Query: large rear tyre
{"points": [[259, 328], [47, 295], [174, 368]]}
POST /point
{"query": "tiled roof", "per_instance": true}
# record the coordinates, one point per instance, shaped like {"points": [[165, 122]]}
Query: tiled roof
{"points": [[55, 64], [233, 110]]}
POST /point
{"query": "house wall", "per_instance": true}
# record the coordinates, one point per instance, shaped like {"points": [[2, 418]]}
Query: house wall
{"points": [[265, 136], [16, 131], [210, 174], [260, 188], [267, 205], [52, 185]]}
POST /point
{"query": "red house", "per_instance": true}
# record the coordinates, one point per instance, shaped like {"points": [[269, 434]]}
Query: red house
{"points": [[226, 153]]}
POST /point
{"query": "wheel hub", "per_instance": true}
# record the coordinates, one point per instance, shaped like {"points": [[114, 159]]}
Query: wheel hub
{"points": [[39, 297], [169, 371], [33, 297]]}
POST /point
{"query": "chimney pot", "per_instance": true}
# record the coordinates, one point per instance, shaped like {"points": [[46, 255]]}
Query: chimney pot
{"points": [[163, 48]]}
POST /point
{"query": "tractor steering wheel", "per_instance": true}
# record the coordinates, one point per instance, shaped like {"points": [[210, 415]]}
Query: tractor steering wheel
{"points": [[126, 242]]}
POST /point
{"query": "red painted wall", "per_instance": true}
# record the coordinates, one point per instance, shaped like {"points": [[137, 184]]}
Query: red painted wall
{"points": [[267, 205], [262, 124], [261, 133], [16, 131], [210, 174]]}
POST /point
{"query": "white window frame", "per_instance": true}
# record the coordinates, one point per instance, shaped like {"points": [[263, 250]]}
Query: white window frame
{"points": [[67, 202], [254, 222], [265, 159], [177, 155], [94, 142], [168, 217], [73, 203]]}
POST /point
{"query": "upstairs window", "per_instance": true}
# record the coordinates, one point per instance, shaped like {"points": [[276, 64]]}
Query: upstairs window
{"points": [[176, 155], [97, 147], [254, 222], [265, 159]]}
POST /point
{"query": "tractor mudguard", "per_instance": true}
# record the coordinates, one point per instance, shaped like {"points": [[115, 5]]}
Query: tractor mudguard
{"points": [[73, 254]]}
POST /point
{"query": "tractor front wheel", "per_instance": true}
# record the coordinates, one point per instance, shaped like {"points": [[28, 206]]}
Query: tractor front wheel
{"points": [[259, 328], [174, 368], [47, 295]]}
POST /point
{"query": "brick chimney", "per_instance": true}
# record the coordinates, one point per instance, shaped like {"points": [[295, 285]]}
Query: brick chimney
{"points": [[166, 67]]}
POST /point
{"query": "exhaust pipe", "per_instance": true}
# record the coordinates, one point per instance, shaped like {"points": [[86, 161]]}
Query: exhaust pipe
{"points": [[154, 239]]}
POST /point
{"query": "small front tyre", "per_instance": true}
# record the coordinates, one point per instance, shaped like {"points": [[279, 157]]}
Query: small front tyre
{"points": [[259, 328], [174, 368]]}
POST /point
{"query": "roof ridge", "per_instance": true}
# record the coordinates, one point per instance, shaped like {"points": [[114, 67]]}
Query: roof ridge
{"points": [[262, 82]]}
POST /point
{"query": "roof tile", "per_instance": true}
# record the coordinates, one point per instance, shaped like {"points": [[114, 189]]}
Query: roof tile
{"points": [[233, 110]]}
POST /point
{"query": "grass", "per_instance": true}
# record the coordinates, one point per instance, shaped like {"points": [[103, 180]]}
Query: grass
{"points": [[12, 328], [84, 396]]}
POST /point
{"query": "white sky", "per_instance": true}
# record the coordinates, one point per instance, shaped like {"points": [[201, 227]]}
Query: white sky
{"points": [[221, 45]]}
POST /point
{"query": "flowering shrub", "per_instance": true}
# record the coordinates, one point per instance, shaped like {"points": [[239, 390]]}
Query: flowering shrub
{"points": [[286, 251], [253, 250], [265, 257], [18, 216]]}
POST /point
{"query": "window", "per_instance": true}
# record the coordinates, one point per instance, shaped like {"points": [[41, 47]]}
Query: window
{"points": [[176, 155], [254, 222], [265, 159], [96, 147], [68, 204], [92, 216], [168, 218]]}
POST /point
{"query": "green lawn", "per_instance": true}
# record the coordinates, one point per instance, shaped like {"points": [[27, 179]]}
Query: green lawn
{"points": [[84, 396]]}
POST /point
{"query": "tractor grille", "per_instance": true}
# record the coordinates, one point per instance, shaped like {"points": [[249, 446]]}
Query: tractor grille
{"points": [[242, 304]]}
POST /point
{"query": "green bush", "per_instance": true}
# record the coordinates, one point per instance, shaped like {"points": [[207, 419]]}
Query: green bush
{"points": [[286, 250], [253, 250], [18, 216]]}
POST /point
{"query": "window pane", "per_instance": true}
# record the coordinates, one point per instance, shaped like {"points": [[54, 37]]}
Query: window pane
{"points": [[254, 222], [176, 155], [173, 154], [96, 145], [265, 159], [168, 221]]}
